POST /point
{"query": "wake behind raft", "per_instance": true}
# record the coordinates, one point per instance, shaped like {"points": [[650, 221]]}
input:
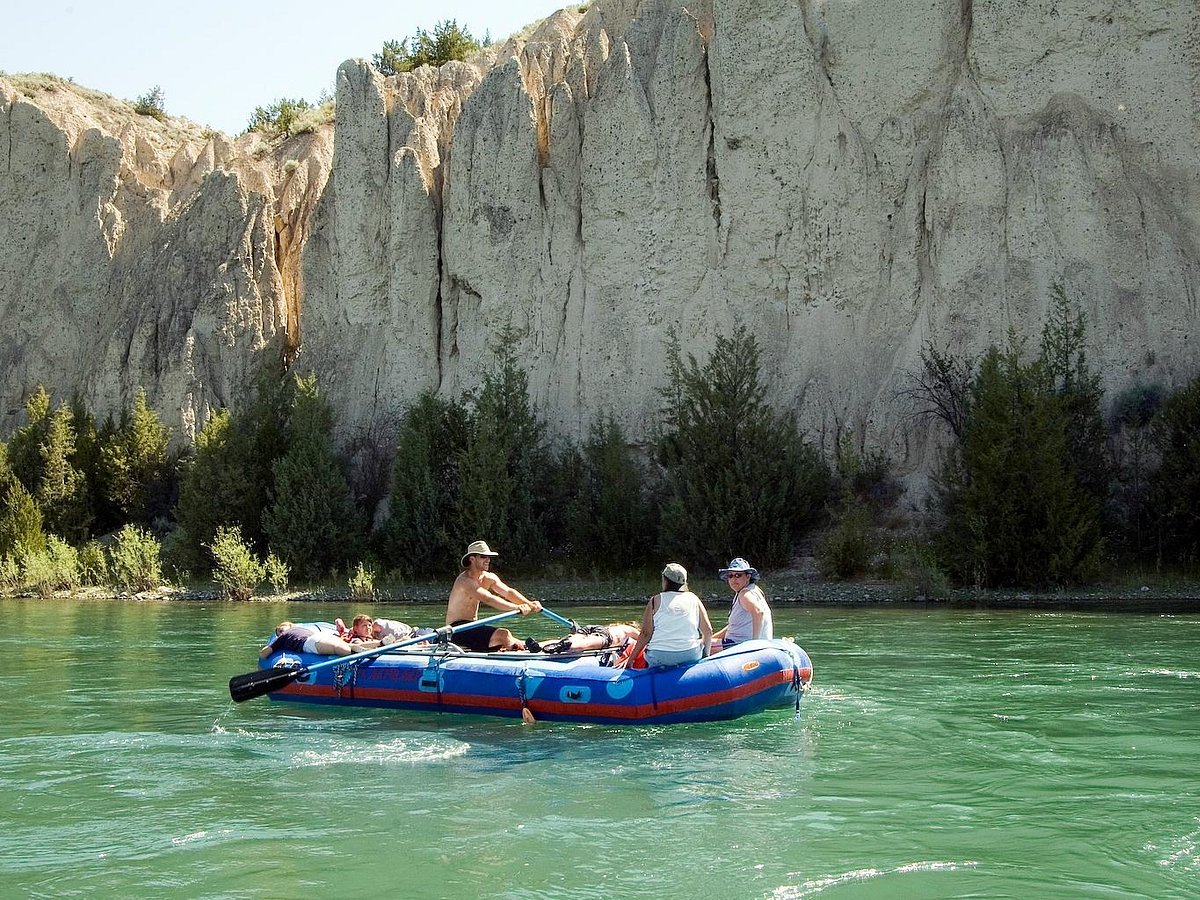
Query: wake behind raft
{"points": [[439, 677]]}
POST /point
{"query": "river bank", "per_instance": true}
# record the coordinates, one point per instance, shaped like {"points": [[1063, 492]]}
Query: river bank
{"points": [[793, 589]]}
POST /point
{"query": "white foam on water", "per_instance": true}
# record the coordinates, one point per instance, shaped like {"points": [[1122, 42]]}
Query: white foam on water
{"points": [[815, 886], [400, 750]]}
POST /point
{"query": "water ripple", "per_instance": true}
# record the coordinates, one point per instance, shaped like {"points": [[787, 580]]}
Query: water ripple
{"points": [[816, 886]]}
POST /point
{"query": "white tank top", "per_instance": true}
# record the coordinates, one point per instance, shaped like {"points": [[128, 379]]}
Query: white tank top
{"points": [[676, 622], [741, 624]]}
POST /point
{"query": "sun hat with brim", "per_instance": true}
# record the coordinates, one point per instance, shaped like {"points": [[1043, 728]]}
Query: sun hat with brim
{"points": [[738, 566], [675, 572], [477, 548]]}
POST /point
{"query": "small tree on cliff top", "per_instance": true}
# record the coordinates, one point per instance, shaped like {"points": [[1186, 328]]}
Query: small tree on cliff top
{"points": [[152, 103], [446, 42], [62, 490]]}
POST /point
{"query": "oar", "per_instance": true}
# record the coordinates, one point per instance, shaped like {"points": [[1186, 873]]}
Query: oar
{"points": [[561, 620], [266, 681]]}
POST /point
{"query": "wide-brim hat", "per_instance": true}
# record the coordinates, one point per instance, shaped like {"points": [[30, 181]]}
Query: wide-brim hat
{"points": [[737, 566], [477, 548], [675, 572]]}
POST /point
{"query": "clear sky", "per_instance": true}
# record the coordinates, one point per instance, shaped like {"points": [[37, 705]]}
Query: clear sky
{"points": [[217, 60]]}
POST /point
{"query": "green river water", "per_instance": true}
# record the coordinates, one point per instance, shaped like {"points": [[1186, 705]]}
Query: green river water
{"points": [[939, 754]]}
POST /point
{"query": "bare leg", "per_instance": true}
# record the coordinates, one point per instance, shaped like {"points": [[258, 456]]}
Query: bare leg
{"points": [[503, 639], [332, 646]]}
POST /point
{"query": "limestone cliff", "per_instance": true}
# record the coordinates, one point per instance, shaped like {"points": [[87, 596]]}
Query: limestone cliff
{"points": [[139, 252], [849, 179]]}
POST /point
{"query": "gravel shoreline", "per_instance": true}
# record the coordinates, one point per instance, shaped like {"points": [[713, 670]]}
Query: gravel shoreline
{"points": [[783, 589]]}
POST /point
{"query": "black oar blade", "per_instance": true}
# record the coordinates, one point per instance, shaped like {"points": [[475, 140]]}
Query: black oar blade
{"points": [[264, 681]]}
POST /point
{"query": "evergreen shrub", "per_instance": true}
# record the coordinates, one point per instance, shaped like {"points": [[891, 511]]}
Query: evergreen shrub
{"points": [[916, 566], [740, 479], [236, 569], [55, 568], [277, 573], [1175, 486], [362, 584], [10, 572], [93, 564], [136, 563], [312, 522], [844, 551]]}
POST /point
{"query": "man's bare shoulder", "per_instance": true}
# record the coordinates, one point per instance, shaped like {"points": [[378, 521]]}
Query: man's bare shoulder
{"points": [[490, 580]]}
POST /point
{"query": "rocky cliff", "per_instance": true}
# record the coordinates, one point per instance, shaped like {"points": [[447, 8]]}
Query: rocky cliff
{"points": [[851, 180], [139, 252]]}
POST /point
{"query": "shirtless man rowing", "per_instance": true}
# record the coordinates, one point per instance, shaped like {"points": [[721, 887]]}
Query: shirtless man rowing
{"points": [[477, 584]]}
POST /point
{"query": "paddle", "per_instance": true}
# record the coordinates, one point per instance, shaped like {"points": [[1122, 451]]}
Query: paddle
{"points": [[266, 681], [561, 620]]}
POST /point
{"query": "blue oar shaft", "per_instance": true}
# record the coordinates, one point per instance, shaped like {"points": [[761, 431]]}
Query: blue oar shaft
{"points": [[448, 630], [561, 620]]}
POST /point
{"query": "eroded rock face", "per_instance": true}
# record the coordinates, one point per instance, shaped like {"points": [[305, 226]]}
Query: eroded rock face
{"points": [[850, 180], [143, 253]]}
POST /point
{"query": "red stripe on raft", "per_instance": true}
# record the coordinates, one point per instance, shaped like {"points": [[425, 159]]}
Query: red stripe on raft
{"points": [[536, 705]]}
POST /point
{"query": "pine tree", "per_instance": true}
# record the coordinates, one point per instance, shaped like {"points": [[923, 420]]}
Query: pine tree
{"points": [[740, 479], [215, 484], [90, 440], [392, 58], [1064, 355], [312, 523], [62, 489], [20, 519], [612, 522], [24, 450], [135, 464], [1014, 511], [506, 466], [1175, 485], [260, 434], [446, 42], [433, 436], [230, 476]]}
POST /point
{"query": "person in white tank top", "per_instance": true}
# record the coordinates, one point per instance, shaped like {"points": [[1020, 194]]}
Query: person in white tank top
{"points": [[750, 616], [675, 625]]}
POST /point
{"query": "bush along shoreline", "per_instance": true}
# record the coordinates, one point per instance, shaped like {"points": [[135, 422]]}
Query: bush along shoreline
{"points": [[785, 589], [1048, 490]]}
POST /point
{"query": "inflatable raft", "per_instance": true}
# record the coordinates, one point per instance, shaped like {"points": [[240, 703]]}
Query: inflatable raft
{"points": [[738, 681]]}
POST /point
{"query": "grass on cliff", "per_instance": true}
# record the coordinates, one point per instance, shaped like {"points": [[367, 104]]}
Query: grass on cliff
{"points": [[33, 83]]}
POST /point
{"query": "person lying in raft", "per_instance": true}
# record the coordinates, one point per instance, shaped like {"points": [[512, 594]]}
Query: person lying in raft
{"points": [[478, 584], [595, 637], [617, 636], [675, 626], [293, 638], [389, 631], [750, 616]]}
